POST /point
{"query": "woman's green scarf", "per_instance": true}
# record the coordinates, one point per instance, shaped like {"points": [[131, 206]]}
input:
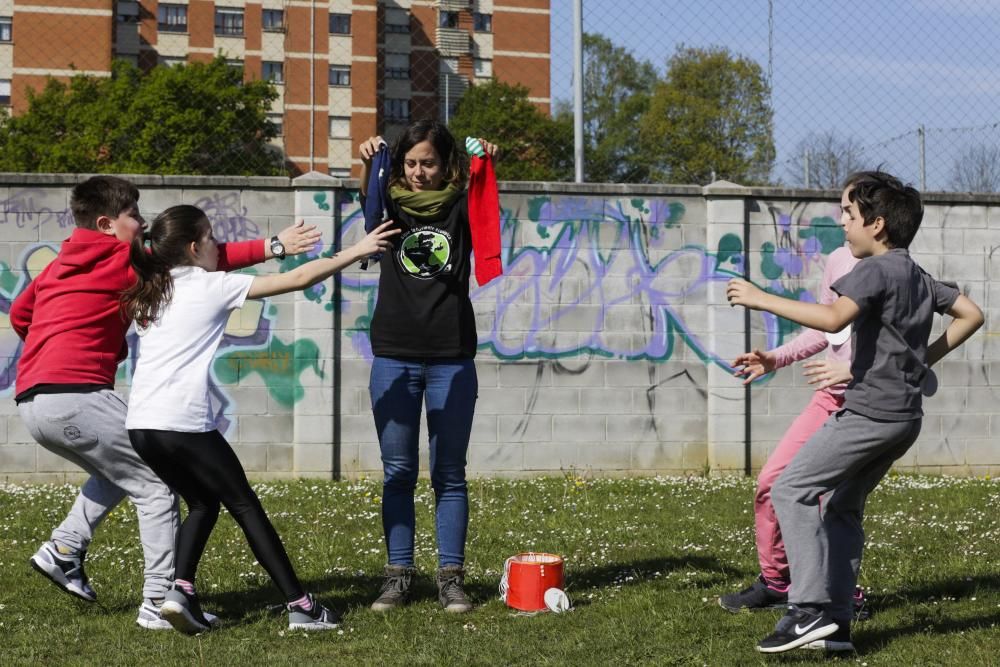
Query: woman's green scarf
{"points": [[426, 204]]}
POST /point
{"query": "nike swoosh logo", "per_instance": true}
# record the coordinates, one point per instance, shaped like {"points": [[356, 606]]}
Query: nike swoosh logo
{"points": [[799, 630]]}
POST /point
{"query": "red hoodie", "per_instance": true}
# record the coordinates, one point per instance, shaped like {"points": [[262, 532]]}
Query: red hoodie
{"points": [[69, 316]]}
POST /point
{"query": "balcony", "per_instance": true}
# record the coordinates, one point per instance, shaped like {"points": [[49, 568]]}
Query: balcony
{"points": [[452, 42]]}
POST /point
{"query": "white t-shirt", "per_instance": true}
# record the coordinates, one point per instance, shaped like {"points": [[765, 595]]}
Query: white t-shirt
{"points": [[170, 384]]}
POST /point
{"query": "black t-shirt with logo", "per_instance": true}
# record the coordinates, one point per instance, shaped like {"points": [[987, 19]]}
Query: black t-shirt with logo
{"points": [[423, 307]]}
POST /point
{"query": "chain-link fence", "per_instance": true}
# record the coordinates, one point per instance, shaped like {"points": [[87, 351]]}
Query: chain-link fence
{"points": [[908, 85], [753, 91]]}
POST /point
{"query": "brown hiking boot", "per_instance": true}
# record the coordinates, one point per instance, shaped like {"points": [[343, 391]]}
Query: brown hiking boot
{"points": [[395, 588], [450, 580]]}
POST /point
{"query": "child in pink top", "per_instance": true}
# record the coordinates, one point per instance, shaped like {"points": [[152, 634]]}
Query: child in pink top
{"points": [[831, 376]]}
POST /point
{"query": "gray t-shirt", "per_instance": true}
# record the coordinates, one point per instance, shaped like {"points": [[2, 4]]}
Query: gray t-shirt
{"points": [[898, 300]]}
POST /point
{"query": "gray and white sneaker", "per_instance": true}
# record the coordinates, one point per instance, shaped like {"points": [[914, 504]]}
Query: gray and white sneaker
{"points": [[317, 617], [183, 612], [64, 570], [150, 618]]}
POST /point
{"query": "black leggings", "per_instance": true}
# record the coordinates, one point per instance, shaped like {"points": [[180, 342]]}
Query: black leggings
{"points": [[204, 470]]}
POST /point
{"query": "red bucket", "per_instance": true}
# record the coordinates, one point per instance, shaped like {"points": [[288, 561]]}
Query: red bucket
{"points": [[526, 578]]}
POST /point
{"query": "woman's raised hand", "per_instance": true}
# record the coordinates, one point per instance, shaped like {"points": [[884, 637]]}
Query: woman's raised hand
{"points": [[369, 147], [491, 149]]}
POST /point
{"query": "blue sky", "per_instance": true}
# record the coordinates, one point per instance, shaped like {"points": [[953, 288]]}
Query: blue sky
{"points": [[872, 70]]}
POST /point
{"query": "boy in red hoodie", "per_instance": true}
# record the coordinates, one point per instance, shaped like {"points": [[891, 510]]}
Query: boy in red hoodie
{"points": [[70, 320]]}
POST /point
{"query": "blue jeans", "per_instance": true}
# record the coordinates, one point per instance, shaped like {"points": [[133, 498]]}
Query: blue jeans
{"points": [[399, 388]]}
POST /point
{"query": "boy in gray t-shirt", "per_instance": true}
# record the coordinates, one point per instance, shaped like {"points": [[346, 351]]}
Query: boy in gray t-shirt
{"points": [[891, 302]]}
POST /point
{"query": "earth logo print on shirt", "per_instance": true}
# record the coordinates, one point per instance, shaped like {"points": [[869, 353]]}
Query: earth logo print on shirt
{"points": [[425, 252]]}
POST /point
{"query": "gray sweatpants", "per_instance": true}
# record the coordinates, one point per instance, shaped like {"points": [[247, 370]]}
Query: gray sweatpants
{"points": [[89, 430], [820, 501]]}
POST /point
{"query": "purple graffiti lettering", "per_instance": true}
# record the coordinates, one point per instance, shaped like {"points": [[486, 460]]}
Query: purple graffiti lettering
{"points": [[228, 217], [23, 210]]}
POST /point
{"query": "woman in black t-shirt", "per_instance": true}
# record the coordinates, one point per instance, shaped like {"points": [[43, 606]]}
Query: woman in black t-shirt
{"points": [[423, 336]]}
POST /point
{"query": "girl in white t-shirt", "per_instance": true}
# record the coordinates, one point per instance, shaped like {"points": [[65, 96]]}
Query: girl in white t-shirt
{"points": [[181, 306]]}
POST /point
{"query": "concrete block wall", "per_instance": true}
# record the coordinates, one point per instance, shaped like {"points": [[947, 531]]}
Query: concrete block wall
{"points": [[603, 347]]}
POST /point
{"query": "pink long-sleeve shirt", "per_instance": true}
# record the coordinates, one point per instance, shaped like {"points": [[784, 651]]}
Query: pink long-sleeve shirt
{"points": [[810, 341]]}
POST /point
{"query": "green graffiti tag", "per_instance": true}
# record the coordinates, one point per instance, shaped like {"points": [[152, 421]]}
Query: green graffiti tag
{"points": [[730, 250], [8, 279], [771, 269], [825, 230], [320, 199], [280, 366]]}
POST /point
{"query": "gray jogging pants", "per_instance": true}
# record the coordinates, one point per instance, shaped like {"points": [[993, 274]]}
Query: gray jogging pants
{"points": [[89, 430], [820, 501]]}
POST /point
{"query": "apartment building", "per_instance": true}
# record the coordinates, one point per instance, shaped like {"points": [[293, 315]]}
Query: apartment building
{"points": [[346, 69]]}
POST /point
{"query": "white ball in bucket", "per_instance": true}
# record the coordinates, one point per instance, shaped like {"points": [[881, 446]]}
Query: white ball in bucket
{"points": [[556, 600]]}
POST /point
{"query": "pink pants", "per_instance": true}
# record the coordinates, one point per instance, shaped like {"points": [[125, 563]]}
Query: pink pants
{"points": [[770, 546]]}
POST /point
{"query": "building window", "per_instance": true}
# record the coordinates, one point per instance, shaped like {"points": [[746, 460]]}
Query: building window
{"points": [[397, 66], [274, 20], [228, 22], [397, 110], [340, 127], [127, 11], [172, 18], [340, 75], [276, 119], [340, 24], [273, 71], [482, 22], [448, 20], [397, 20], [6, 29], [5, 91], [482, 67], [172, 61]]}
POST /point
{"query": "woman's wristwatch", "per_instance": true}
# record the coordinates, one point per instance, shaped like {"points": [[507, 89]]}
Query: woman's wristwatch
{"points": [[277, 247]]}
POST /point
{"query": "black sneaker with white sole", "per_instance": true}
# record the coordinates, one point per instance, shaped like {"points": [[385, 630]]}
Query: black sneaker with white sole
{"points": [[755, 597], [64, 570], [317, 617], [183, 612], [798, 627], [838, 641]]}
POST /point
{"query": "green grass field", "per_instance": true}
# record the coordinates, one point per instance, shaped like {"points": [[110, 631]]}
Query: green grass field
{"points": [[645, 562]]}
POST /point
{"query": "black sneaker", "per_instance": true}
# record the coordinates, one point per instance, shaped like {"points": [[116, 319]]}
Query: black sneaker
{"points": [[395, 587], [838, 641], [450, 582], [756, 597], [183, 612], [317, 617], [796, 628]]}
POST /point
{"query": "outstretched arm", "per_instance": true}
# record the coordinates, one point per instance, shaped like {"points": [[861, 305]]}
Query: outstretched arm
{"points": [[968, 318], [297, 238], [312, 272], [829, 318]]}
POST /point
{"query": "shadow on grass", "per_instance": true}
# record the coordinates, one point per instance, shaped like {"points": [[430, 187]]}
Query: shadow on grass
{"points": [[920, 623], [959, 587], [631, 573], [345, 593]]}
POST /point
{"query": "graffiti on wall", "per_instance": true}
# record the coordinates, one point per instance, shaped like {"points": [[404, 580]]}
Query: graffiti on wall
{"points": [[584, 278]]}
